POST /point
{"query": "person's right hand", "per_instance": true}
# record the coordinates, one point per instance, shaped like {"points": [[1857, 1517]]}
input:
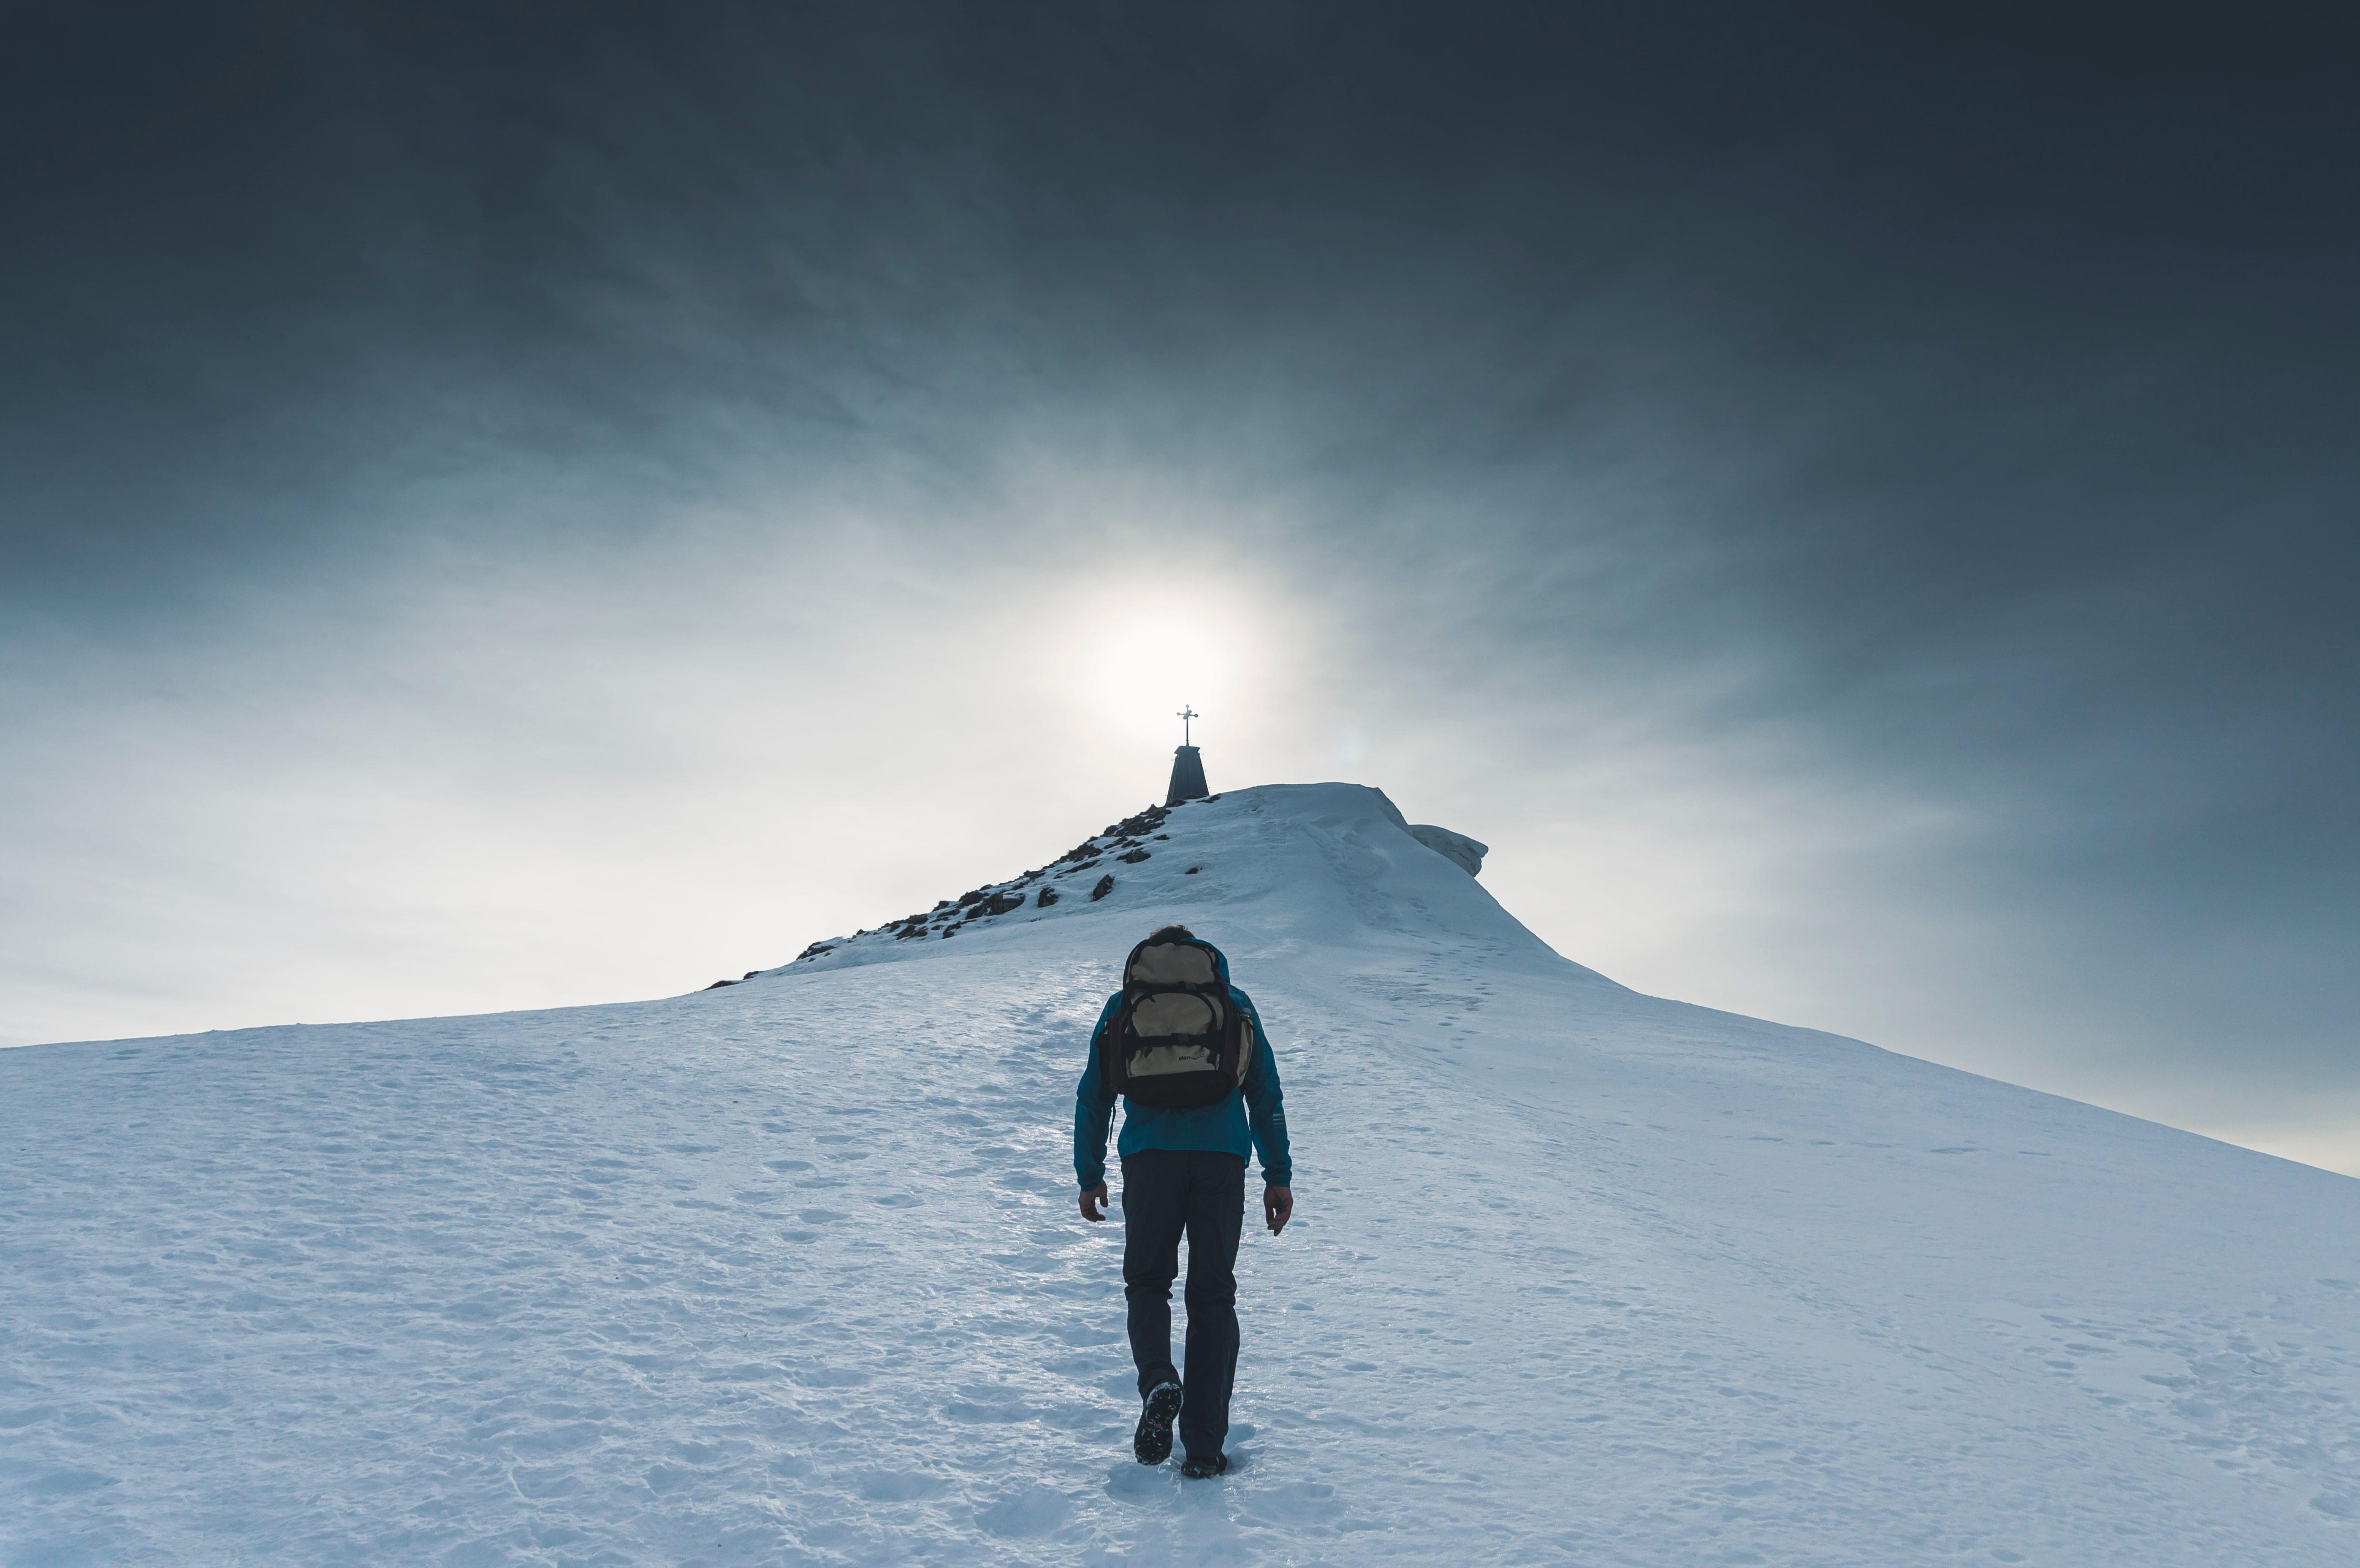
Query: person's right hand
{"points": [[1094, 1200]]}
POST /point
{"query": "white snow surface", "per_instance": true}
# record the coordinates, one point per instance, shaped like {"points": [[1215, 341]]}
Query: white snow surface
{"points": [[790, 1272], [1465, 853]]}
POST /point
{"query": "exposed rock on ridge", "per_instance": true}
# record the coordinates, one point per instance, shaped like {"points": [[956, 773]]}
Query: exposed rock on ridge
{"points": [[1126, 841]]}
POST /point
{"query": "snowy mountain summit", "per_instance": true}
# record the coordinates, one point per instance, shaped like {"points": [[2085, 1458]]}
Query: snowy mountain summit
{"points": [[788, 1271], [1332, 862]]}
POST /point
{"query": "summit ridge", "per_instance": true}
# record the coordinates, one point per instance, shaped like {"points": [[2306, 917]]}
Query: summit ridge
{"points": [[1254, 854]]}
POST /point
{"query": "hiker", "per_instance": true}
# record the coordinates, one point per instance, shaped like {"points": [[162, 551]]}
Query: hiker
{"points": [[1186, 1049]]}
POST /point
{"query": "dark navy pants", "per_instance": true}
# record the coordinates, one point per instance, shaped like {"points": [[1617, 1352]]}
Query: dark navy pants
{"points": [[1166, 1193]]}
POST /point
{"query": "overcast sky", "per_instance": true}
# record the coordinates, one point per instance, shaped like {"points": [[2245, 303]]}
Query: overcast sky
{"points": [[508, 507]]}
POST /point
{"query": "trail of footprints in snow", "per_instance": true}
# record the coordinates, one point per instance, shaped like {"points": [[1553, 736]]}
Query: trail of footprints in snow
{"points": [[2230, 1388]]}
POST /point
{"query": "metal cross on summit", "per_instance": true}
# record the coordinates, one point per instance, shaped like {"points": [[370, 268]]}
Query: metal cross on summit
{"points": [[1187, 768]]}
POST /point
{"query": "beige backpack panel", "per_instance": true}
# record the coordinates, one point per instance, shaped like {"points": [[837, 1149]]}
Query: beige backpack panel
{"points": [[1172, 963], [1173, 1012]]}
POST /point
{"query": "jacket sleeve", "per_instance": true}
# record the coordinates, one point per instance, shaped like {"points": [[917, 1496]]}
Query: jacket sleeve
{"points": [[1093, 1113], [1266, 1106]]}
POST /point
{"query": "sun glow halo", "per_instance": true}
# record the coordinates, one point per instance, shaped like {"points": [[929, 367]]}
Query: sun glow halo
{"points": [[1143, 674]]}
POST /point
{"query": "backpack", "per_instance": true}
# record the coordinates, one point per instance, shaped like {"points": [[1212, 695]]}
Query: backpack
{"points": [[1178, 1038]]}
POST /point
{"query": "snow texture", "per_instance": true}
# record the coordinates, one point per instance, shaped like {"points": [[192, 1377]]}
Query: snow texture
{"points": [[1457, 848], [790, 1272]]}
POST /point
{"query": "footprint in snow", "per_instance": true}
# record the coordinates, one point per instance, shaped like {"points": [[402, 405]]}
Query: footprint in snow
{"points": [[1034, 1511]]}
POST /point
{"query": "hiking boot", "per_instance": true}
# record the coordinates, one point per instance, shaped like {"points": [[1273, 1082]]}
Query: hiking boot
{"points": [[1151, 1443], [1197, 1469]]}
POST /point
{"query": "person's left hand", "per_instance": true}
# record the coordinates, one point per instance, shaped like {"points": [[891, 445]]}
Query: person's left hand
{"points": [[1277, 1207]]}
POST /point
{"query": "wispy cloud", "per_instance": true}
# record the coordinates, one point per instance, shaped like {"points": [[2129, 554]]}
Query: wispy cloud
{"points": [[499, 516]]}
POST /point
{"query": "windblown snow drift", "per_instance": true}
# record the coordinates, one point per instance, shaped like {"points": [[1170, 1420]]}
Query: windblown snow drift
{"points": [[789, 1272]]}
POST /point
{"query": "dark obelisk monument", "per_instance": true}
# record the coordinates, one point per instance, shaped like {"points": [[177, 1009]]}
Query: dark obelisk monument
{"points": [[1187, 768]]}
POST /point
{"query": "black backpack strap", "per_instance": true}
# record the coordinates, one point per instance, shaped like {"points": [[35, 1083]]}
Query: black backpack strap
{"points": [[1111, 1045]]}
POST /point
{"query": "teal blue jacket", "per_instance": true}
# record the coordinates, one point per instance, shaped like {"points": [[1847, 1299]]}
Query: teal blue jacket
{"points": [[1224, 1129]]}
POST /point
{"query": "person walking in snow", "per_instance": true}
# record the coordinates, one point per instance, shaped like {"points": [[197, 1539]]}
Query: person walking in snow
{"points": [[1187, 1051]]}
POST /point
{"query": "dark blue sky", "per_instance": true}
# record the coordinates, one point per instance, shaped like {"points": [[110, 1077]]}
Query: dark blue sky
{"points": [[516, 505]]}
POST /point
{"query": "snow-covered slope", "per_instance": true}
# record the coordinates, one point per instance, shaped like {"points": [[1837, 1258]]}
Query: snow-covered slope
{"points": [[789, 1272]]}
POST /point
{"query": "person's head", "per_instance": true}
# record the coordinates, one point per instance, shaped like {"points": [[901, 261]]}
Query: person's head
{"points": [[1172, 933]]}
